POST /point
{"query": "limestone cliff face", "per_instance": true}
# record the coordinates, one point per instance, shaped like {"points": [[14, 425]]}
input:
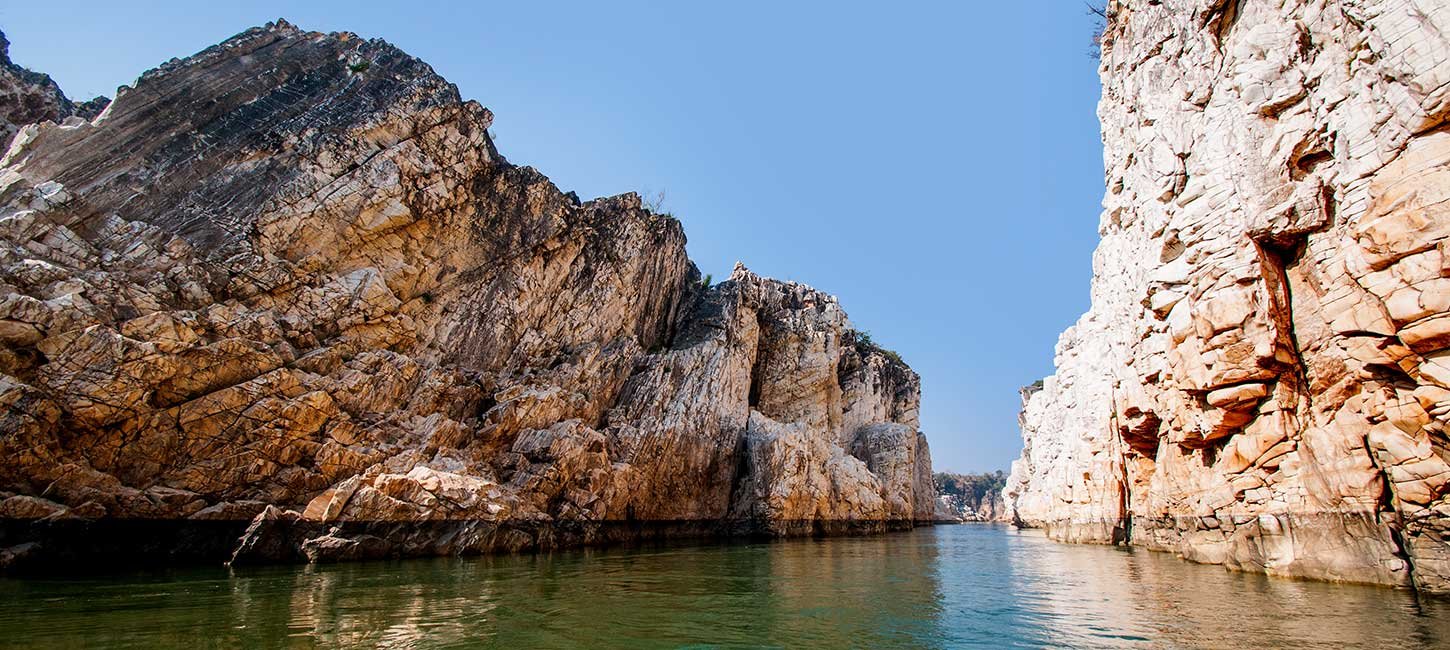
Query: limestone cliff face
{"points": [[1263, 379], [290, 281]]}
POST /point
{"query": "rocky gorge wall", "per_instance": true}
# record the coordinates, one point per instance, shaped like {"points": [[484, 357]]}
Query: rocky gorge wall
{"points": [[284, 299], [1263, 379]]}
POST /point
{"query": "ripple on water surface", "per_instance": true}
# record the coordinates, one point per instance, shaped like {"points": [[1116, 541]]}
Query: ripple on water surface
{"points": [[948, 587]]}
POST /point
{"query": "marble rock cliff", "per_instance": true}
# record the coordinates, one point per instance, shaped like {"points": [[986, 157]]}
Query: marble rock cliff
{"points": [[1263, 378], [284, 299]]}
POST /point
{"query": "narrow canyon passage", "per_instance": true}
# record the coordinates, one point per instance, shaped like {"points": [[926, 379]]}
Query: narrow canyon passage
{"points": [[293, 353]]}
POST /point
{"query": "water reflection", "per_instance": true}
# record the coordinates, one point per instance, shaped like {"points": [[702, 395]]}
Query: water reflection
{"points": [[958, 586], [1102, 597]]}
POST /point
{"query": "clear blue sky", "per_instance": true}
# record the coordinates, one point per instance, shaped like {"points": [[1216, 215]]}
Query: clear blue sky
{"points": [[936, 165]]}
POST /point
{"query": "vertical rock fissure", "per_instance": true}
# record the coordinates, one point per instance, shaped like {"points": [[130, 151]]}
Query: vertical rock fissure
{"points": [[1123, 531], [1276, 256], [1397, 526]]}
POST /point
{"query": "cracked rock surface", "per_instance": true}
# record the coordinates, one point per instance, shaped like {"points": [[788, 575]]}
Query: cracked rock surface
{"points": [[1271, 389], [287, 290]]}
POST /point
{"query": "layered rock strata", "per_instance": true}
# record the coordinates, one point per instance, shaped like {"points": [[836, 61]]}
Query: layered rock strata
{"points": [[1263, 379], [287, 290]]}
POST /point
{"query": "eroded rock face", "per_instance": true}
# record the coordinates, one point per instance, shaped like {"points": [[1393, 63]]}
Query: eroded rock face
{"points": [[1269, 391], [290, 281]]}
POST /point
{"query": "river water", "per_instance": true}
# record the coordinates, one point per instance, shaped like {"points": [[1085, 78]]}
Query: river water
{"points": [[943, 587]]}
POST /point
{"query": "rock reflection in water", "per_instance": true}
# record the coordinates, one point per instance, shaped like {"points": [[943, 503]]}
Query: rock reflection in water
{"points": [[955, 586], [1093, 596]]}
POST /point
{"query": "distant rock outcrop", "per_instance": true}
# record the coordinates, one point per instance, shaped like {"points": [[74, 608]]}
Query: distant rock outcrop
{"points": [[970, 497], [1263, 379], [288, 290], [30, 97]]}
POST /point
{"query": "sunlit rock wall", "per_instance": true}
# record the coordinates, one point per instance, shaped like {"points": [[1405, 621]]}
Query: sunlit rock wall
{"points": [[1263, 378]]}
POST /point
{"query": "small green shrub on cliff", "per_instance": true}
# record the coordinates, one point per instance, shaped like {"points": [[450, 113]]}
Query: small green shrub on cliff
{"points": [[864, 340]]}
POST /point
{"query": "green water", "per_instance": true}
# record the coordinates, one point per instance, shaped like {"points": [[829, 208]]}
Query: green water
{"points": [[944, 587]]}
